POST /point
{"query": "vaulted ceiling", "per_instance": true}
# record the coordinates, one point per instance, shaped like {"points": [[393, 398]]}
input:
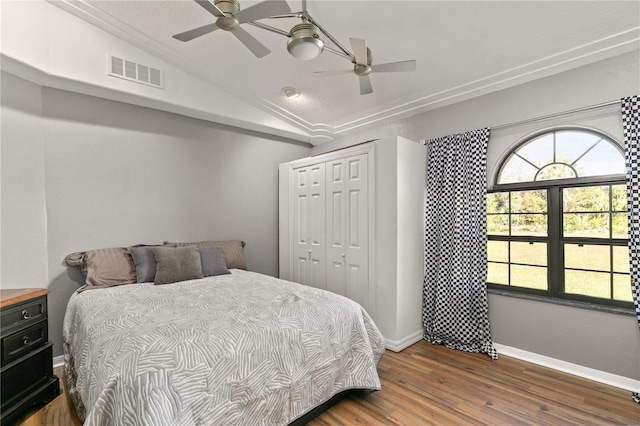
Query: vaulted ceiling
{"points": [[462, 49]]}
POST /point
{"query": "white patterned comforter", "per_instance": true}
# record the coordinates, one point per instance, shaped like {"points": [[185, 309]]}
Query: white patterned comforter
{"points": [[233, 349]]}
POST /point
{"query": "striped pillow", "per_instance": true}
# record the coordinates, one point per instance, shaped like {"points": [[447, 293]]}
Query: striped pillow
{"points": [[233, 251]]}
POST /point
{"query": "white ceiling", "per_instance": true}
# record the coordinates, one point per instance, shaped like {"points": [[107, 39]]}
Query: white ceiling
{"points": [[462, 48]]}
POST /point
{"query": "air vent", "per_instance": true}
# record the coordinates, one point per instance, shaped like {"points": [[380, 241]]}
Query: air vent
{"points": [[132, 71]]}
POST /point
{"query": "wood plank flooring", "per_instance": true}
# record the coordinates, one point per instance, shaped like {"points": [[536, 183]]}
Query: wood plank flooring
{"points": [[433, 385]]}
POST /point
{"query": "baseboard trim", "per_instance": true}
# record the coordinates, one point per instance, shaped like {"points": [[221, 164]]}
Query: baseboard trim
{"points": [[58, 361], [570, 368], [399, 345]]}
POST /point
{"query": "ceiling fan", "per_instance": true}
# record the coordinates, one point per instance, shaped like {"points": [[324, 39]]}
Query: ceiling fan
{"points": [[229, 17], [305, 42], [362, 65], [305, 39]]}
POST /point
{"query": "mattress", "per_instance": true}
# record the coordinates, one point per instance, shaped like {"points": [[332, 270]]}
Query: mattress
{"points": [[237, 349]]}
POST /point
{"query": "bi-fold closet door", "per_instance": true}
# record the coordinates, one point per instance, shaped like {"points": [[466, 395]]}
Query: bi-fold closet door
{"points": [[330, 226], [308, 219], [347, 227]]}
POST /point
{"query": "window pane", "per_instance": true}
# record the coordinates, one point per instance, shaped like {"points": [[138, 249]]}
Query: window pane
{"points": [[589, 225], [595, 284], [586, 199], [556, 171], [498, 202], [539, 151], [516, 169], [529, 277], [587, 256], [621, 259], [603, 159], [529, 253], [529, 225], [534, 201], [498, 251], [498, 273], [622, 287], [619, 198], [498, 224], [620, 225], [571, 144]]}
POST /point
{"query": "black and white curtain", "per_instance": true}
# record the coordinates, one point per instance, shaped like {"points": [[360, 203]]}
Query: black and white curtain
{"points": [[454, 305], [631, 128]]}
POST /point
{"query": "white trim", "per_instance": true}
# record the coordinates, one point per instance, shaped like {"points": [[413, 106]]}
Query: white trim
{"points": [[574, 369], [600, 49], [58, 361], [399, 345]]}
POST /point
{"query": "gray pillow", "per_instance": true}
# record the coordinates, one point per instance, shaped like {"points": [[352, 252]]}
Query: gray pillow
{"points": [[177, 264], [233, 251], [213, 262], [145, 262]]}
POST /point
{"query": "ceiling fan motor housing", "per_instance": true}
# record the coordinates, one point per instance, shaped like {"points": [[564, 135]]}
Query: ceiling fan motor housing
{"points": [[229, 7], [364, 69]]}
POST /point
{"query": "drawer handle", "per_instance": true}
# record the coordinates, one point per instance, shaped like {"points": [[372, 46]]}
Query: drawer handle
{"points": [[26, 315], [26, 341]]}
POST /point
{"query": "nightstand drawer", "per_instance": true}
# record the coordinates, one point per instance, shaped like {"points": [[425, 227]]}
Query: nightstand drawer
{"points": [[26, 374], [23, 315], [22, 342]]}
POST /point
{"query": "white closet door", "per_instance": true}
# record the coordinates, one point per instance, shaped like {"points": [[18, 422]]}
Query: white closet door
{"points": [[309, 266], [347, 228]]}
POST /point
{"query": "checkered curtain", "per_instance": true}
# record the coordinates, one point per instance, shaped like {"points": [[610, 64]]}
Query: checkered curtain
{"points": [[631, 128], [454, 297]]}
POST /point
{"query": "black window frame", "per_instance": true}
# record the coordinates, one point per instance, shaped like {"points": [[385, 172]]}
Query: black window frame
{"points": [[555, 239]]}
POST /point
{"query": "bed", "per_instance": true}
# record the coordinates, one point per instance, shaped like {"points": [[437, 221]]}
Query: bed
{"points": [[230, 349]]}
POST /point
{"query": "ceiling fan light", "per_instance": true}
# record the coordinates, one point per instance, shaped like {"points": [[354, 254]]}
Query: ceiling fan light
{"points": [[305, 42]]}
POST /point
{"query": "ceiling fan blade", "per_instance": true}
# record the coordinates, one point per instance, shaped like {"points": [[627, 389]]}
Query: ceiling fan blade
{"points": [[262, 10], [365, 85], [333, 72], [196, 32], [251, 42], [359, 50], [210, 7], [402, 66]]}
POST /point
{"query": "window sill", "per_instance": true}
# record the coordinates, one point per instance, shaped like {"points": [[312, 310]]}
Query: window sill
{"points": [[564, 302]]}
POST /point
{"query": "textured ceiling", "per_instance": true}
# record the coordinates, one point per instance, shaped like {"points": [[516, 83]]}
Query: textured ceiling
{"points": [[462, 49]]}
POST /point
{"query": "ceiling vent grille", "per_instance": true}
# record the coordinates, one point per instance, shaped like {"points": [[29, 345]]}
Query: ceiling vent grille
{"points": [[132, 71]]}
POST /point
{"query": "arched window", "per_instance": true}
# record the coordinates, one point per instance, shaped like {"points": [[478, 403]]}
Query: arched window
{"points": [[562, 154], [557, 219]]}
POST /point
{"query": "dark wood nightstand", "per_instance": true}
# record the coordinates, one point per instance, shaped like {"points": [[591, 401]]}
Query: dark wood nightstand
{"points": [[26, 357]]}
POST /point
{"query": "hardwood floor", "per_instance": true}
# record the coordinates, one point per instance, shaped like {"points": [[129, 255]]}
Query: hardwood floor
{"points": [[426, 384]]}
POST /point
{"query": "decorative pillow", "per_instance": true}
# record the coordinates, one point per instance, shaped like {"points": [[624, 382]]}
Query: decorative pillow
{"points": [[213, 262], [104, 267], [145, 262], [233, 251], [177, 264]]}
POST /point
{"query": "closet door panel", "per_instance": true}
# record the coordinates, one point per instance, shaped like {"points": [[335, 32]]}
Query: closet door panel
{"points": [[300, 224], [357, 234], [309, 226], [336, 227]]}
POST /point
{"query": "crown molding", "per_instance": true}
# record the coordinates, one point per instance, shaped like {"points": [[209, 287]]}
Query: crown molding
{"points": [[604, 48]]}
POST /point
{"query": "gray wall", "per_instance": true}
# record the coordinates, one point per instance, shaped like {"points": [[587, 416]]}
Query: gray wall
{"points": [[80, 173], [603, 341]]}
